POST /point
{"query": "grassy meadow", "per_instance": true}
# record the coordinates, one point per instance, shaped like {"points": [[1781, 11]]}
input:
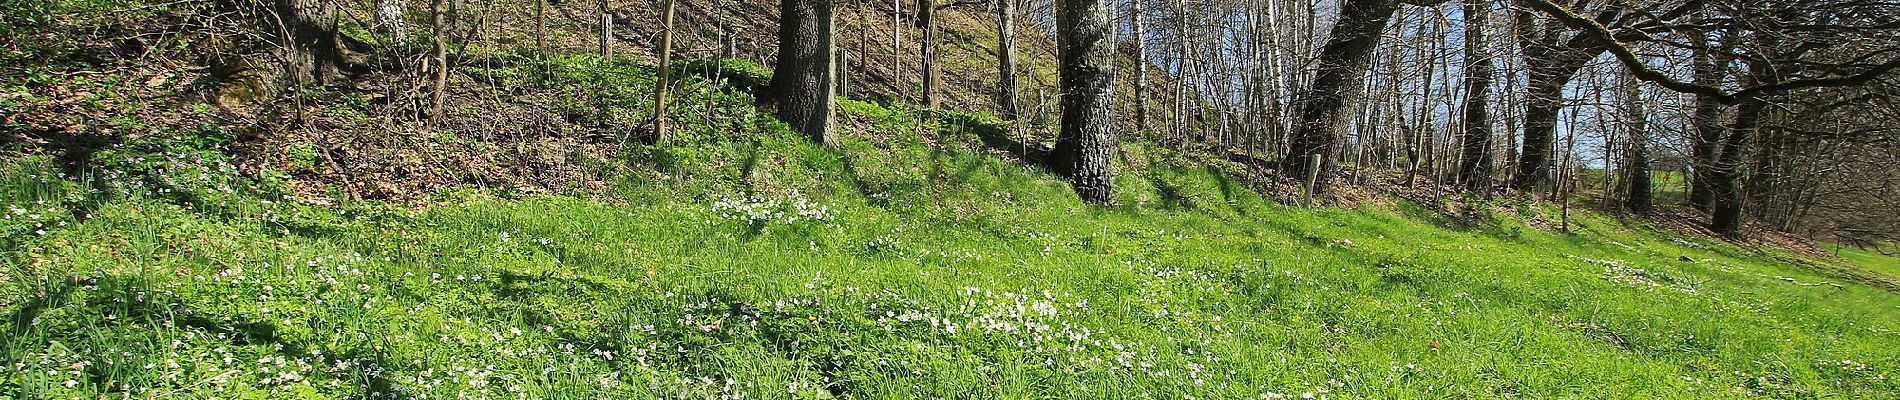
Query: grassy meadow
{"points": [[920, 259]]}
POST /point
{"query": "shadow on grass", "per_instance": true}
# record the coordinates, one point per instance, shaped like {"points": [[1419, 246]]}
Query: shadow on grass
{"points": [[997, 137], [23, 318]]}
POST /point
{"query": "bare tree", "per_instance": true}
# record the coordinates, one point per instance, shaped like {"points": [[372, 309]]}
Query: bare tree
{"points": [[1790, 47], [664, 72], [1476, 170], [1141, 64], [1006, 57], [441, 66], [1327, 109], [1552, 56], [927, 23]]}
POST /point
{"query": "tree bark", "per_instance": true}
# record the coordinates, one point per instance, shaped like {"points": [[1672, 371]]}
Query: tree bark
{"points": [[1707, 137], [1141, 66], [665, 72], [1638, 197], [1543, 99], [803, 88], [315, 48], [1085, 148], [1475, 172], [1726, 201], [440, 75], [389, 22], [541, 27], [606, 30], [927, 22]]}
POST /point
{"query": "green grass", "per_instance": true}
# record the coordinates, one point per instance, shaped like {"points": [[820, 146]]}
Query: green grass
{"points": [[742, 261], [1870, 260]]}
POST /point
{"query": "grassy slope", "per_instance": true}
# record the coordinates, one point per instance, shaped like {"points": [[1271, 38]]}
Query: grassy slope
{"points": [[936, 267], [1870, 260]]}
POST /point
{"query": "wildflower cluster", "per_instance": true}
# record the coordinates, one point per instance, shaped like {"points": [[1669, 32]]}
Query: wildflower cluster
{"points": [[33, 199], [1845, 369], [890, 243], [189, 168], [760, 210], [32, 219], [1622, 274]]}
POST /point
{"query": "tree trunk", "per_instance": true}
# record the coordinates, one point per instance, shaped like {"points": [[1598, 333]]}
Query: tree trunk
{"points": [[1183, 61], [927, 22], [1726, 201], [1552, 63], [1141, 66], [1707, 136], [1476, 170], [1006, 57], [606, 30], [803, 88], [1342, 64], [389, 22], [541, 27], [1639, 198], [1085, 148], [844, 73], [664, 69], [1543, 99], [315, 48], [441, 67], [897, 48]]}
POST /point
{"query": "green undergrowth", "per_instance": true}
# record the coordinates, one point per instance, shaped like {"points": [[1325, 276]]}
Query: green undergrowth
{"points": [[921, 258]]}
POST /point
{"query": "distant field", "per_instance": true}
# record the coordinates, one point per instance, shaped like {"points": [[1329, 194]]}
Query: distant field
{"points": [[892, 268]]}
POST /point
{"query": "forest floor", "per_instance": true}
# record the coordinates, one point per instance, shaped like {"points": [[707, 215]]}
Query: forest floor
{"points": [[919, 259]]}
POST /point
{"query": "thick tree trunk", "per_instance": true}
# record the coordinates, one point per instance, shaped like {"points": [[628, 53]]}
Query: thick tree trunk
{"points": [[315, 48], [1551, 62], [1707, 136], [389, 23], [803, 88], [1475, 172], [1006, 57], [1724, 188], [1542, 101], [1639, 198], [1085, 148], [1342, 64]]}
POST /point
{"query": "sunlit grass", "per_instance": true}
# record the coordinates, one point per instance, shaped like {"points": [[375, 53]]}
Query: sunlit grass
{"points": [[900, 265], [1871, 260]]}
